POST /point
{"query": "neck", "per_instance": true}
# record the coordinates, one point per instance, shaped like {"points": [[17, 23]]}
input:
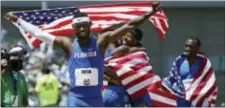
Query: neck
{"points": [[84, 42], [191, 59]]}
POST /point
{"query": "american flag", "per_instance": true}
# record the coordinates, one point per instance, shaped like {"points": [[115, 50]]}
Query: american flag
{"points": [[135, 73], [58, 21], [197, 93]]}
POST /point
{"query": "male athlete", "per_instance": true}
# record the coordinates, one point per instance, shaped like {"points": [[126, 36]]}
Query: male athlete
{"points": [[130, 44], [192, 77], [85, 54], [115, 95]]}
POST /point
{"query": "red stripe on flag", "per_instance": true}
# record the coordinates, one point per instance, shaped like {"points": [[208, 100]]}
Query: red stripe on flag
{"points": [[60, 24], [200, 71], [163, 25], [36, 42]]}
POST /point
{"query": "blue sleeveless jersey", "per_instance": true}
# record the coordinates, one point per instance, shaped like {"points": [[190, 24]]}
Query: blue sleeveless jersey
{"points": [[86, 67]]}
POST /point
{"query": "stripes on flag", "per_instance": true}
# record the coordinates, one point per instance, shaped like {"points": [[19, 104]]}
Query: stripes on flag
{"points": [[135, 73], [162, 98], [197, 93], [58, 21]]}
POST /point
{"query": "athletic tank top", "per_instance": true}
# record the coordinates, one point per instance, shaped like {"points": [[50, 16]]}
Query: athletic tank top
{"points": [[86, 67]]}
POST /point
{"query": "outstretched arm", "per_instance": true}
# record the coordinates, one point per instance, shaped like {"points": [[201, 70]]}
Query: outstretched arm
{"points": [[106, 38], [62, 42]]}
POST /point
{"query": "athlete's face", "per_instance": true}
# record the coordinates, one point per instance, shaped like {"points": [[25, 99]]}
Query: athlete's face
{"points": [[190, 48], [82, 29], [129, 40]]}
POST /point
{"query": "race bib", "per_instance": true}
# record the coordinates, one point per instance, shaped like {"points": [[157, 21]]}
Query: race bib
{"points": [[14, 100], [86, 77]]}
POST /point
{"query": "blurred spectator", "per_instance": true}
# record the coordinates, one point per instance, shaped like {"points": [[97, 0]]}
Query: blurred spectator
{"points": [[14, 91], [47, 88], [32, 69]]}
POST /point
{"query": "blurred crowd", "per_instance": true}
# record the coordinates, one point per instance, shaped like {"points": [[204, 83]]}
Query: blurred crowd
{"points": [[33, 64]]}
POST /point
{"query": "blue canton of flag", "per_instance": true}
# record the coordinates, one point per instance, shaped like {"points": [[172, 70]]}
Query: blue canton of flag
{"points": [[40, 17], [174, 81]]}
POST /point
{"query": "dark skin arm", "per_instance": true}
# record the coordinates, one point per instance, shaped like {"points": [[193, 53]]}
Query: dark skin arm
{"points": [[120, 51], [105, 38], [64, 43], [126, 50]]}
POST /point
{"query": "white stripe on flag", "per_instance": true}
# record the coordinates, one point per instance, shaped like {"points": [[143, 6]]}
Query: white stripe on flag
{"points": [[116, 9], [162, 99], [143, 84], [133, 77], [23, 34], [140, 73], [123, 70]]}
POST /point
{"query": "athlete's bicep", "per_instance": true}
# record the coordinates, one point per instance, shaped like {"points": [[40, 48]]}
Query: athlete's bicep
{"points": [[103, 42], [64, 43]]}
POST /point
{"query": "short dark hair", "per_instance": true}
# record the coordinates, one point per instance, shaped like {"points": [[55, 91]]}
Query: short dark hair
{"points": [[197, 41], [137, 34], [79, 14]]}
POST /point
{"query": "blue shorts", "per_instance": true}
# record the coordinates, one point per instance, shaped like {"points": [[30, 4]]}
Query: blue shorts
{"points": [[144, 99], [115, 96], [74, 101]]}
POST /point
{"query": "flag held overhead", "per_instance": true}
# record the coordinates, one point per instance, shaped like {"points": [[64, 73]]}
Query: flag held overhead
{"points": [[58, 21]]}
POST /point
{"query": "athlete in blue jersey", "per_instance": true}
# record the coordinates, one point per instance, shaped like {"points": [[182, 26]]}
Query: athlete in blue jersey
{"points": [[131, 43], [115, 95], [85, 54], [187, 65]]}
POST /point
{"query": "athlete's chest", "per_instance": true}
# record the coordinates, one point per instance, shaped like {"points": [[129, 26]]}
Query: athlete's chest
{"points": [[83, 52], [187, 70]]}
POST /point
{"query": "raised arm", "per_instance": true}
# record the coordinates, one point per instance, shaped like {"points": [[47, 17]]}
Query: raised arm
{"points": [[60, 41], [107, 37]]}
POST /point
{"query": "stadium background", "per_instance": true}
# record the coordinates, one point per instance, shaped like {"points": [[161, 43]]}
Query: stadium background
{"points": [[205, 20]]}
